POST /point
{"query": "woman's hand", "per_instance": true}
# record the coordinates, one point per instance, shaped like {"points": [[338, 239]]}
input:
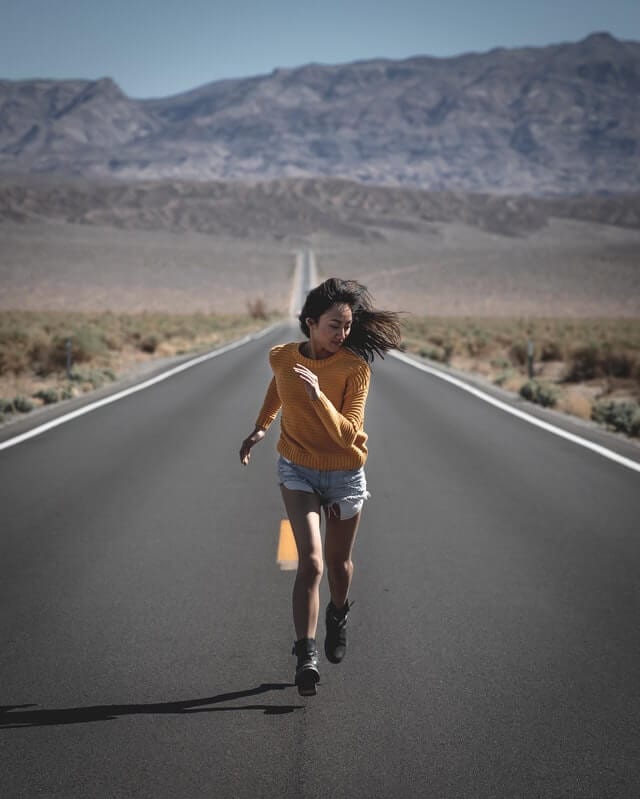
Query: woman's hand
{"points": [[310, 380], [249, 442]]}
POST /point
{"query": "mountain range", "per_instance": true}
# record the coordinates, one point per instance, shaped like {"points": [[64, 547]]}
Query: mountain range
{"points": [[557, 120]]}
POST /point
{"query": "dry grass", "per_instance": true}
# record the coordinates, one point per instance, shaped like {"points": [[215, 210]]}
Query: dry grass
{"points": [[576, 402], [104, 347], [583, 362], [613, 340], [578, 362]]}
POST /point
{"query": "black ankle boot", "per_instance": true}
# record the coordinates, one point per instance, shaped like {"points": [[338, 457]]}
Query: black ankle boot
{"points": [[307, 673], [335, 643]]}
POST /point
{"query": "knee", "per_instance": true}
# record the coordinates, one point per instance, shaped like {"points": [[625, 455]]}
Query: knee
{"points": [[340, 566], [310, 568]]}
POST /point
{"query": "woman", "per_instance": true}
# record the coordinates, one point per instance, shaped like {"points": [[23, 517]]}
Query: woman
{"points": [[321, 385]]}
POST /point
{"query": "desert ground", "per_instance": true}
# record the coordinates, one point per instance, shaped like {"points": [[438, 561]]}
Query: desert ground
{"points": [[78, 267], [566, 268]]}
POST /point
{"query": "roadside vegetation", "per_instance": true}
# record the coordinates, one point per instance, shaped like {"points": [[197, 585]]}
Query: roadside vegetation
{"points": [[586, 367], [47, 357]]}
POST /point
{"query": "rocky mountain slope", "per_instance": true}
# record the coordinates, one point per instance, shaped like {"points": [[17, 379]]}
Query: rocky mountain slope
{"points": [[293, 207], [563, 119]]}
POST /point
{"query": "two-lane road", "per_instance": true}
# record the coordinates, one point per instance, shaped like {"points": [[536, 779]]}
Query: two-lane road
{"points": [[146, 628]]}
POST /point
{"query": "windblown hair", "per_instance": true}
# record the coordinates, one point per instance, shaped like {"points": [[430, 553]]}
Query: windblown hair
{"points": [[373, 332]]}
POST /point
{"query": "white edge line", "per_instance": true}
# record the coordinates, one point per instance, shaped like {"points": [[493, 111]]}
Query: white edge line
{"points": [[67, 417], [550, 428]]}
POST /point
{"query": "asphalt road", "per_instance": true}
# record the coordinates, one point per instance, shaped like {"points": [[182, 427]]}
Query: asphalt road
{"points": [[146, 629]]}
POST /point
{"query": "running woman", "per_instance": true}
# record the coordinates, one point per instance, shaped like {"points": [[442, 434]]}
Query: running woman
{"points": [[321, 385]]}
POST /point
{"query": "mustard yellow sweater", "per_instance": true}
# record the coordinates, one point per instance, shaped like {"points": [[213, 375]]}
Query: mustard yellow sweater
{"points": [[326, 433]]}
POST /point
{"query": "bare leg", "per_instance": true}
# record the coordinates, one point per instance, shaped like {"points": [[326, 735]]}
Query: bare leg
{"points": [[303, 510], [339, 539]]}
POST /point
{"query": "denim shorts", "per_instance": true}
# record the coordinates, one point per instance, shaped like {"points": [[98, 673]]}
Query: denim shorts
{"points": [[342, 492]]}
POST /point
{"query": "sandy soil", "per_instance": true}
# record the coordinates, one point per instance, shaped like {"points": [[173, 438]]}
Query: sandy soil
{"points": [[56, 266], [567, 268]]}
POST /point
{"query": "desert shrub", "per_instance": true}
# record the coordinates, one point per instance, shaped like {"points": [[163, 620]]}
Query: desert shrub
{"points": [[257, 308], [502, 378], [23, 404], [86, 344], [433, 353], [112, 341], [47, 395], [477, 343], [179, 331], [6, 406], [620, 416], [448, 351], [589, 361], [583, 363], [13, 358], [97, 377], [541, 393], [14, 346], [550, 351], [40, 359], [14, 334], [149, 344], [58, 354], [518, 353], [618, 363]]}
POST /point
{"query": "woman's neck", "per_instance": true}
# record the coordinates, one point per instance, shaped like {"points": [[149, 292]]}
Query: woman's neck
{"points": [[309, 351]]}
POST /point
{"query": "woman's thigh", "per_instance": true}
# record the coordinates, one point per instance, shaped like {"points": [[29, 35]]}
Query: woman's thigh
{"points": [[303, 510], [340, 537]]}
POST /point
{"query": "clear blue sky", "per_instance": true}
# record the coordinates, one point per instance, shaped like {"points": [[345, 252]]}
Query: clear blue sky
{"points": [[155, 48]]}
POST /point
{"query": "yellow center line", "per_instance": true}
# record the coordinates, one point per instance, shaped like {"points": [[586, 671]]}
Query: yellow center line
{"points": [[287, 557]]}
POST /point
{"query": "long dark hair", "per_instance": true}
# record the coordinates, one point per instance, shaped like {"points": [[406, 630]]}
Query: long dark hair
{"points": [[373, 332]]}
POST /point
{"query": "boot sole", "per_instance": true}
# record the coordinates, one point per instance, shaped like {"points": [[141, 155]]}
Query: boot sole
{"points": [[307, 681]]}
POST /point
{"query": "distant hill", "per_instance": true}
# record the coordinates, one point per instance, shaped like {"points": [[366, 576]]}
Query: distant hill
{"points": [[293, 207], [563, 119]]}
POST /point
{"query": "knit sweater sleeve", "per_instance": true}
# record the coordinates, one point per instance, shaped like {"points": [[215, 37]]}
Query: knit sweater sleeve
{"points": [[343, 426], [270, 406]]}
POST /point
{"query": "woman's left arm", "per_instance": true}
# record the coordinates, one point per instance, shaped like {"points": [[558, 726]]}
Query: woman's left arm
{"points": [[343, 426]]}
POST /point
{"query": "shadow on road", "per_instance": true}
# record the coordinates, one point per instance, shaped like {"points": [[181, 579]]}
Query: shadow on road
{"points": [[16, 716]]}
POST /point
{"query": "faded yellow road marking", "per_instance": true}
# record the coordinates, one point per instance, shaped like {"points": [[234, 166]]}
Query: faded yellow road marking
{"points": [[287, 557]]}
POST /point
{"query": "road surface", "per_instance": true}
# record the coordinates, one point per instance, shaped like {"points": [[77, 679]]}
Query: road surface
{"points": [[146, 628]]}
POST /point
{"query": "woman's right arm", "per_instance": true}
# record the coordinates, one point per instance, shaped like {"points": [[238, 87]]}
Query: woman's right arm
{"points": [[249, 442], [268, 413]]}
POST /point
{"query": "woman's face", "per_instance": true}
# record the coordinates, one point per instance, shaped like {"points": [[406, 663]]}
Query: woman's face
{"points": [[328, 334]]}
